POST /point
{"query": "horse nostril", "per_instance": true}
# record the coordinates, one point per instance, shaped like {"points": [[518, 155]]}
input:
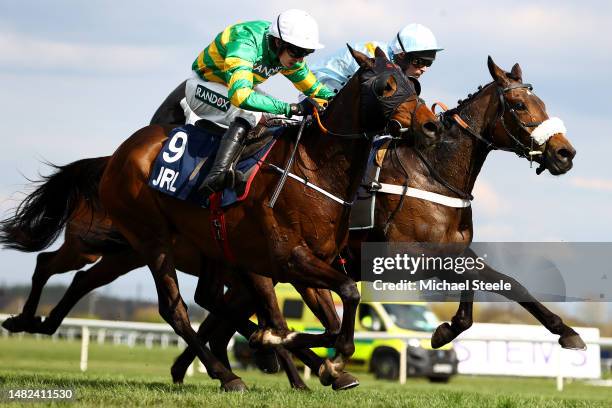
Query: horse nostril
{"points": [[430, 128], [566, 154]]}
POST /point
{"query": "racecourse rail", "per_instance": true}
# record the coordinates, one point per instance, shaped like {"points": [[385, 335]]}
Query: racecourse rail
{"points": [[72, 326]]}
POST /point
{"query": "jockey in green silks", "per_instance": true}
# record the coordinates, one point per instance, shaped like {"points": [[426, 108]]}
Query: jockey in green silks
{"points": [[225, 75]]}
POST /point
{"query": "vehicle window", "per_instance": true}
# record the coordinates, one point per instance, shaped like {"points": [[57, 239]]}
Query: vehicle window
{"points": [[293, 309], [369, 318], [412, 317]]}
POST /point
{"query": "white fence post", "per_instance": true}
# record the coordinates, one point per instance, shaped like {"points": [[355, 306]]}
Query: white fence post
{"points": [[559, 368], [403, 363], [84, 347], [164, 341], [101, 336]]}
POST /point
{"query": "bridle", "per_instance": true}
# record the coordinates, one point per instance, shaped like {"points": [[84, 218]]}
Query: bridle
{"points": [[519, 148], [385, 106]]}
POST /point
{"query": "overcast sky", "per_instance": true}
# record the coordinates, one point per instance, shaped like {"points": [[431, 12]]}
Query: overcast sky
{"points": [[78, 77]]}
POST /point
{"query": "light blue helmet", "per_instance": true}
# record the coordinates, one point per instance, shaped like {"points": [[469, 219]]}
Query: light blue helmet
{"points": [[414, 37]]}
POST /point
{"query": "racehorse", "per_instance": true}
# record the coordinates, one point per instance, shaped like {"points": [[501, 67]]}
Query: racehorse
{"points": [[503, 115], [296, 249]]}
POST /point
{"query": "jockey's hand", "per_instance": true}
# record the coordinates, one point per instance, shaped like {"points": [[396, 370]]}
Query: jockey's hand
{"points": [[303, 108], [321, 104]]}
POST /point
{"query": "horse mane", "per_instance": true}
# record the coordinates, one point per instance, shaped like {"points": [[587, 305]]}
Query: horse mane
{"points": [[463, 103]]}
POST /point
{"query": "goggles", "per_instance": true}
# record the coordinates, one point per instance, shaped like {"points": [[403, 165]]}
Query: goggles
{"points": [[297, 52], [420, 62]]}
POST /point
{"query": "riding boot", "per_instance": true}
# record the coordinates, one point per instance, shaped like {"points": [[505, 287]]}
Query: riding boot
{"points": [[228, 152]]}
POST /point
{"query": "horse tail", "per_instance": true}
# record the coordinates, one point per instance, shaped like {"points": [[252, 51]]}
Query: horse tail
{"points": [[42, 215]]}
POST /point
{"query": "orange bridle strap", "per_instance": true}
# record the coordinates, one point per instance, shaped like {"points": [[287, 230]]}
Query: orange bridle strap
{"points": [[456, 117], [441, 105], [315, 113]]}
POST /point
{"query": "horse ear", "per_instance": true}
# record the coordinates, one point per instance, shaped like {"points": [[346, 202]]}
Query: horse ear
{"points": [[379, 53], [516, 72], [497, 73], [360, 57]]}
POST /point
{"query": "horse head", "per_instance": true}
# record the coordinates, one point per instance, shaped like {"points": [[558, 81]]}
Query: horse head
{"points": [[522, 124], [389, 101]]}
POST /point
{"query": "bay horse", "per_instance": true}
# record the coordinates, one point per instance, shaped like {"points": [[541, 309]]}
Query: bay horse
{"points": [[299, 237], [503, 115], [90, 237]]}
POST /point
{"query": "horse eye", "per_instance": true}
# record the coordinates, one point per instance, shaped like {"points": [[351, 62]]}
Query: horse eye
{"points": [[519, 106]]}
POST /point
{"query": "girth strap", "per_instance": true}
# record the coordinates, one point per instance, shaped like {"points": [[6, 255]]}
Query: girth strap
{"points": [[423, 195]]}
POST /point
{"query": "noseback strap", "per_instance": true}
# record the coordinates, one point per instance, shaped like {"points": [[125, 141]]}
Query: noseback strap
{"points": [[547, 129]]}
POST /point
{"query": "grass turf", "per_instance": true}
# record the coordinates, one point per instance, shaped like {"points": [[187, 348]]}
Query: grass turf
{"points": [[122, 376]]}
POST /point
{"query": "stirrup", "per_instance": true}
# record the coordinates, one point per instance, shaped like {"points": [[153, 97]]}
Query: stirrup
{"points": [[234, 178]]}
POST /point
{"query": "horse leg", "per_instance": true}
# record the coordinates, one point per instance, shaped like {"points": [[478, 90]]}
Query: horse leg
{"points": [[568, 338], [109, 268], [308, 270], [66, 258], [269, 315], [247, 328], [461, 321], [321, 303], [174, 310], [239, 292]]}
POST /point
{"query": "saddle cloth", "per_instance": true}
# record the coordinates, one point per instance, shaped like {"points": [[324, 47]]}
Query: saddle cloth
{"points": [[186, 158]]}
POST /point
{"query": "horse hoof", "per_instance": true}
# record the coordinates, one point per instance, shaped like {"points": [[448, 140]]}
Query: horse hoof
{"points": [[328, 373], [325, 377], [20, 323], [177, 373], [572, 342], [345, 382], [300, 387], [443, 335], [46, 327], [235, 385], [266, 361]]}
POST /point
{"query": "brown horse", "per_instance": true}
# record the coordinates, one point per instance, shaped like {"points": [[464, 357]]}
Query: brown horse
{"points": [[502, 115], [300, 236], [89, 236]]}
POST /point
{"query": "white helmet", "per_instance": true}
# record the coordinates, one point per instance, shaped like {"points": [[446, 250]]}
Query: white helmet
{"points": [[297, 27], [414, 37]]}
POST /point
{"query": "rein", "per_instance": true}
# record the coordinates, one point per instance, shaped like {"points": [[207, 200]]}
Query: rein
{"points": [[371, 134], [519, 148]]}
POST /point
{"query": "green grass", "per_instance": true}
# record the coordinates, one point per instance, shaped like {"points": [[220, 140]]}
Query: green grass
{"points": [[122, 376]]}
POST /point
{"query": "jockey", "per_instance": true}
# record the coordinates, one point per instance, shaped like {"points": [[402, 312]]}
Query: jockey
{"points": [[413, 49], [241, 57]]}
